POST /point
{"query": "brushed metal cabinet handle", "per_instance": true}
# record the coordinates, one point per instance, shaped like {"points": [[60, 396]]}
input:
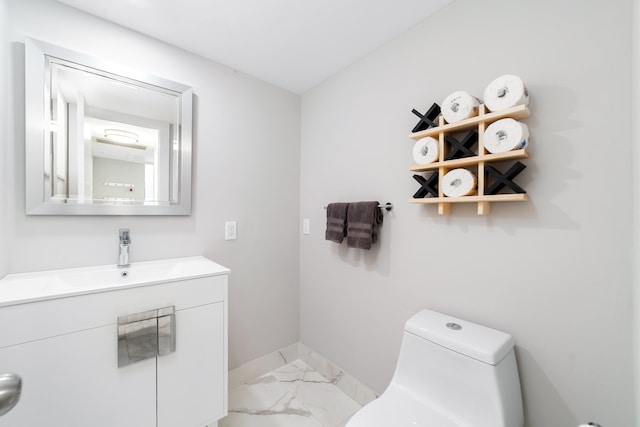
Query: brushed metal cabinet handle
{"points": [[167, 332], [137, 341]]}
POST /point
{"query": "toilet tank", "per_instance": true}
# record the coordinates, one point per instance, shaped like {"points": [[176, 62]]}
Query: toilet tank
{"points": [[464, 370]]}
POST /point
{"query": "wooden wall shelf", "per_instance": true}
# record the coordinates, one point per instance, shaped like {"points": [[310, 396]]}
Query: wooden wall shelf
{"points": [[476, 163], [471, 199], [518, 112], [470, 161]]}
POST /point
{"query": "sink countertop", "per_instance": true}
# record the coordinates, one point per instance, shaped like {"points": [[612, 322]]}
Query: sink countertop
{"points": [[20, 288]]}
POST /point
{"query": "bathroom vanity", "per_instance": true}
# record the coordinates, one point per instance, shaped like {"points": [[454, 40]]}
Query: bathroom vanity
{"points": [[144, 346]]}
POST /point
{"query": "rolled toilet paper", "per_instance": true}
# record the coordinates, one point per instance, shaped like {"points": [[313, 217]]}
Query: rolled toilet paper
{"points": [[458, 183], [458, 106], [425, 151], [506, 135], [505, 92]]}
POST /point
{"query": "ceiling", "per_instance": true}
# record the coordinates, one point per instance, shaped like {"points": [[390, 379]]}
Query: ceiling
{"points": [[293, 44]]}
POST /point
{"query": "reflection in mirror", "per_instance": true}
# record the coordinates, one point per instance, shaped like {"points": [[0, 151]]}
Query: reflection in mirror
{"points": [[110, 141]]}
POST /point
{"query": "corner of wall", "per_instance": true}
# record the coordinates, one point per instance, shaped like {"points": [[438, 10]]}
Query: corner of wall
{"points": [[635, 163]]}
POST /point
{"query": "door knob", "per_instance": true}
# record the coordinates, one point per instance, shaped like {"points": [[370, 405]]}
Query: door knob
{"points": [[10, 388]]}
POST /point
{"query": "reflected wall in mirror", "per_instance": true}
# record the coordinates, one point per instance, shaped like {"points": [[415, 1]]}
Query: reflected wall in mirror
{"points": [[103, 140]]}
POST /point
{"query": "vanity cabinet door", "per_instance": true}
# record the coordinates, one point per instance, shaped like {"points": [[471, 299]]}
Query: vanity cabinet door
{"points": [[192, 380], [73, 380]]}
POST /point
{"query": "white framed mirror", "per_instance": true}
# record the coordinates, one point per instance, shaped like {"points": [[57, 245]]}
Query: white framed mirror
{"points": [[102, 139]]}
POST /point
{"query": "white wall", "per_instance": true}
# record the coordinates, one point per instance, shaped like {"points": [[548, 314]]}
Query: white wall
{"points": [[4, 111], [555, 272], [246, 168]]}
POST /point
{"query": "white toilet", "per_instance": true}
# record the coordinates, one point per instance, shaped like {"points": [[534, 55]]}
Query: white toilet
{"points": [[451, 373]]}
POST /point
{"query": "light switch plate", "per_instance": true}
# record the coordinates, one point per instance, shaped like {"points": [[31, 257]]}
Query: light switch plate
{"points": [[305, 226]]}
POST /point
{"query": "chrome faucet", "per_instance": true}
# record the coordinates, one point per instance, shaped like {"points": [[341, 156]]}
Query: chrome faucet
{"points": [[125, 241]]}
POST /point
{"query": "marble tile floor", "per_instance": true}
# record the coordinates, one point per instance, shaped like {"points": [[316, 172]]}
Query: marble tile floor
{"points": [[294, 395]]}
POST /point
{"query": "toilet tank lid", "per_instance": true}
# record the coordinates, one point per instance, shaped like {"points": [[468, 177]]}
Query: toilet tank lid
{"points": [[479, 342]]}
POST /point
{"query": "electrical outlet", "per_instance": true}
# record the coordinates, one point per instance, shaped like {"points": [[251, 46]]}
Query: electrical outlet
{"points": [[230, 230]]}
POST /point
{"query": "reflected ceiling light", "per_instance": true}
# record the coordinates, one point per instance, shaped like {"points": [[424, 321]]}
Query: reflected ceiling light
{"points": [[122, 136]]}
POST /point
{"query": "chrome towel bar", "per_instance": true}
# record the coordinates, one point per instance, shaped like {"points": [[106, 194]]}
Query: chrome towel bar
{"points": [[387, 206]]}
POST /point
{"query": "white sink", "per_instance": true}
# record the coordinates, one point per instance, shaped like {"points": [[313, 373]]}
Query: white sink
{"points": [[28, 287]]}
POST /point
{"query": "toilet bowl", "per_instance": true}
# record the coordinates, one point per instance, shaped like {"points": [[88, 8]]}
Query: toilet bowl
{"points": [[450, 373]]}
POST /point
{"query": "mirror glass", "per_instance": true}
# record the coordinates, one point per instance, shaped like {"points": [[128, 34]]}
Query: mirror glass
{"points": [[104, 140]]}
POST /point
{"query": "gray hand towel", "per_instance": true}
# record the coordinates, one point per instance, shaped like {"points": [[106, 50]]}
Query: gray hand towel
{"points": [[363, 219], [336, 222]]}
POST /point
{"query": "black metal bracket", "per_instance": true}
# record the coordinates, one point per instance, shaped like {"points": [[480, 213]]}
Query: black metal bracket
{"points": [[501, 180], [461, 148], [427, 186], [427, 119]]}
